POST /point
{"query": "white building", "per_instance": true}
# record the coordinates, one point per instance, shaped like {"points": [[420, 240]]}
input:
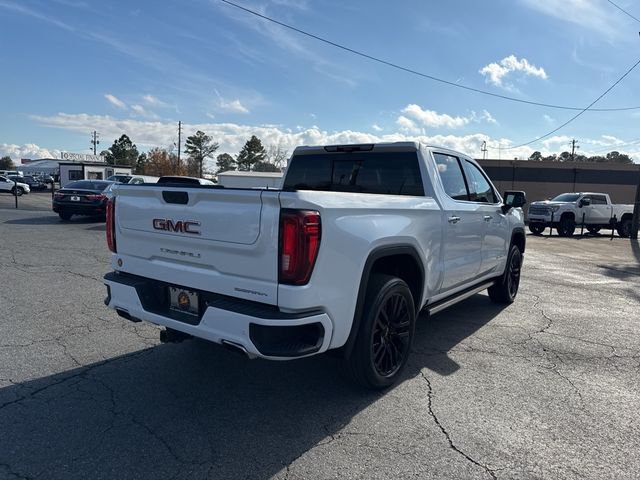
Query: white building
{"points": [[72, 171], [235, 179]]}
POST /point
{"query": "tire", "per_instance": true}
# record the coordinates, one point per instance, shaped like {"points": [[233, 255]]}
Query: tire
{"points": [[506, 289], [536, 229], [386, 333], [593, 230], [624, 228], [65, 216], [18, 191], [566, 227]]}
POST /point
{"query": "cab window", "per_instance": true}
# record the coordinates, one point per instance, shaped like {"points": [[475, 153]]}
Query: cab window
{"points": [[451, 175], [480, 190]]}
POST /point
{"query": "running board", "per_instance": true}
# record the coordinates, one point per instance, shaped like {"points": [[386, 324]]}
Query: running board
{"points": [[458, 297]]}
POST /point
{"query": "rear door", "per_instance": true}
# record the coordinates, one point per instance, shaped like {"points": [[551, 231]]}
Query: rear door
{"points": [[599, 212], [216, 240], [463, 225], [495, 227]]}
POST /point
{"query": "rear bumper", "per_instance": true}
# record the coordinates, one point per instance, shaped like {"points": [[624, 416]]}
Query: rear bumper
{"points": [[261, 330], [79, 209]]}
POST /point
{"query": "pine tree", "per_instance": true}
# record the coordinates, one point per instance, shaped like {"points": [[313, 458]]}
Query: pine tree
{"points": [[253, 152], [199, 147]]}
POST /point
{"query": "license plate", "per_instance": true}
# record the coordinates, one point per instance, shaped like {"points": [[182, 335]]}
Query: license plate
{"points": [[181, 300], [75, 198]]}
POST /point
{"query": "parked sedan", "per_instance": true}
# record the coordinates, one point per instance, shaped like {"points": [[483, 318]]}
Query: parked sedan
{"points": [[84, 197]]}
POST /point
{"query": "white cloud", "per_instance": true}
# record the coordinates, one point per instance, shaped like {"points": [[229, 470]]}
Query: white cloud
{"points": [[549, 119], [407, 125], [495, 73], [591, 14], [233, 106], [27, 150], [154, 101], [430, 118], [115, 101], [557, 143], [140, 110], [232, 136], [612, 140], [487, 117], [376, 127], [210, 115]]}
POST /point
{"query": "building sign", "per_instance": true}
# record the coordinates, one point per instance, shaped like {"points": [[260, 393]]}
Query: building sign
{"points": [[81, 157]]}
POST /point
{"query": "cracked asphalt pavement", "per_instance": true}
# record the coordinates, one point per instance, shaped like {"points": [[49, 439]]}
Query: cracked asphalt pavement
{"points": [[545, 388]]}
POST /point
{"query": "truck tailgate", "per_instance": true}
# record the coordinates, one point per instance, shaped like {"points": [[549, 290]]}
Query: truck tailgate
{"points": [[217, 240]]}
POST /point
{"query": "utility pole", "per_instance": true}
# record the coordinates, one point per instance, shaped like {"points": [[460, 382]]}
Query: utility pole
{"points": [[573, 149], [483, 149], [94, 141], [179, 141]]}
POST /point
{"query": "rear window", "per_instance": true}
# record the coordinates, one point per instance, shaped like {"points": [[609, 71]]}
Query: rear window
{"points": [[89, 185], [386, 173]]}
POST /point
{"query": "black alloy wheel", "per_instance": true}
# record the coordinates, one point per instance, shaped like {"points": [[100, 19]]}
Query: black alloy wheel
{"points": [[624, 228], [506, 287], [536, 229], [566, 227], [385, 333], [390, 336], [513, 276]]}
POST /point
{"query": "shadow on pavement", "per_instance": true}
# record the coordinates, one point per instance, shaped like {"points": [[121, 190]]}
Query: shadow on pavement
{"points": [[53, 219], [194, 410]]}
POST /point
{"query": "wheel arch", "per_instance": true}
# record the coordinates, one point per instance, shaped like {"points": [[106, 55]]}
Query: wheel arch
{"points": [[518, 238], [402, 261]]}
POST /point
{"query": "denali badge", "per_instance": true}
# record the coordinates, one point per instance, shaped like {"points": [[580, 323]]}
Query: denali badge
{"points": [[181, 226]]}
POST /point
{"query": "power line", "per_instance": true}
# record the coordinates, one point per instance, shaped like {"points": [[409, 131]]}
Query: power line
{"points": [[623, 11], [415, 72], [577, 114], [611, 148]]}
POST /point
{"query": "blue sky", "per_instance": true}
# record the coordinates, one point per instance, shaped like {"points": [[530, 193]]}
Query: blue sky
{"points": [[137, 67]]}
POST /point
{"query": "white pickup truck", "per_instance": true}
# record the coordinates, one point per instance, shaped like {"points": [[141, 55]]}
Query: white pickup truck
{"points": [[358, 240], [569, 210]]}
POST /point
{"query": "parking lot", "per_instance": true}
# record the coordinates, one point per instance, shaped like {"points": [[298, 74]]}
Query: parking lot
{"points": [[545, 388]]}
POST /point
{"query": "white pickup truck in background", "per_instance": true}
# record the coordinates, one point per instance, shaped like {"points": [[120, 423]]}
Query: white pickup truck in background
{"points": [[356, 242], [569, 210]]}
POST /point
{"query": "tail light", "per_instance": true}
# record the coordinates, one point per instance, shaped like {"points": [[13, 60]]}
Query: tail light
{"points": [[111, 225], [58, 196], [93, 198], [299, 243]]}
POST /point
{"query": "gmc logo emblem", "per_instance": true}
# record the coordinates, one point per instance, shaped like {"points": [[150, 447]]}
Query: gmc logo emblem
{"points": [[181, 226]]}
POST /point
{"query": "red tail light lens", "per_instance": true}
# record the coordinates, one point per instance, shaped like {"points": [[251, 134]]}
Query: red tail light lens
{"points": [[58, 196], [93, 198], [111, 225], [299, 243]]}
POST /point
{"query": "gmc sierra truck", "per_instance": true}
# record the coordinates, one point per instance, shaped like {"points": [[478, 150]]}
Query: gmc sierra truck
{"points": [[356, 242], [568, 210]]}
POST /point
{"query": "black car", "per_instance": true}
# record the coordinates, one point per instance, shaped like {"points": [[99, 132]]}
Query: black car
{"points": [[34, 184], [84, 197]]}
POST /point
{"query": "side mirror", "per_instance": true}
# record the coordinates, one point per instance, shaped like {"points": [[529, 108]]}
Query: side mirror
{"points": [[513, 199], [585, 202]]}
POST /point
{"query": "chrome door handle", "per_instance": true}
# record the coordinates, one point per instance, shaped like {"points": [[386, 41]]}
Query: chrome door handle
{"points": [[487, 218], [454, 219]]}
